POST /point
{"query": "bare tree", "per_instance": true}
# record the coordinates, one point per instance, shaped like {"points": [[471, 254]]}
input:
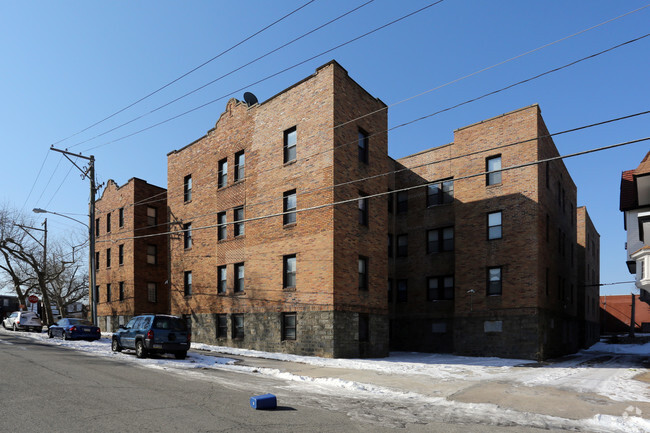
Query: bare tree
{"points": [[69, 284]]}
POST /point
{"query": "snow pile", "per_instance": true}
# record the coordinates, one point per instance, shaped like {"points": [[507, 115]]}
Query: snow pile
{"points": [[610, 377]]}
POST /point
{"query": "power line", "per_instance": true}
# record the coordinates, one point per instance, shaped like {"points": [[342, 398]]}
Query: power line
{"points": [[381, 194], [40, 170], [493, 66], [187, 73], [224, 75], [392, 172], [469, 100], [266, 78], [332, 49]]}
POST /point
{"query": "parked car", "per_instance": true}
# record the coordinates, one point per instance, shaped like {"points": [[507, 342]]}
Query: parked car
{"points": [[72, 329], [23, 320], [153, 333]]}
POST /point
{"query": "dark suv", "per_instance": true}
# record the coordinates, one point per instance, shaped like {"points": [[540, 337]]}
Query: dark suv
{"points": [[153, 333]]}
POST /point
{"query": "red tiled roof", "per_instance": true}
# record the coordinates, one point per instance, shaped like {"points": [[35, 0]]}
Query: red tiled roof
{"points": [[628, 192], [644, 167]]}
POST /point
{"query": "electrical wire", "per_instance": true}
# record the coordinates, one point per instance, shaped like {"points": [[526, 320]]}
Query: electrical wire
{"points": [[384, 193], [187, 73], [468, 101], [222, 76], [393, 172], [264, 79]]}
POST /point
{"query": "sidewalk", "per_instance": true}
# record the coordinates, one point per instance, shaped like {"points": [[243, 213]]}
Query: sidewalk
{"points": [[507, 393]]}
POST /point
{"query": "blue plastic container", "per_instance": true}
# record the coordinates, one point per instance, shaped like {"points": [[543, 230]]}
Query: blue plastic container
{"points": [[265, 401]]}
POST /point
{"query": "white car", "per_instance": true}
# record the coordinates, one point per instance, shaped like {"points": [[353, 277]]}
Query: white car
{"points": [[23, 320]]}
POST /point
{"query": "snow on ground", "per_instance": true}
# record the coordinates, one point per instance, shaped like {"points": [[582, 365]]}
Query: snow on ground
{"points": [[610, 377]]}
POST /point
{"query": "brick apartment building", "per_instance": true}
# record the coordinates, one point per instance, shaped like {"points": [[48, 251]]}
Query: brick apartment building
{"points": [[588, 253], [485, 263], [476, 260], [131, 259], [291, 282]]}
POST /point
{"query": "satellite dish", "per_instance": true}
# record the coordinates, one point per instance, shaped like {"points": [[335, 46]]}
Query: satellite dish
{"points": [[250, 99]]}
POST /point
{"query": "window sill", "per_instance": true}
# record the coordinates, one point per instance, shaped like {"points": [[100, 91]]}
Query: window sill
{"points": [[288, 163], [289, 289], [494, 185], [289, 226], [187, 201]]}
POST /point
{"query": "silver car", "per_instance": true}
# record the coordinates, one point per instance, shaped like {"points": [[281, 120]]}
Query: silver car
{"points": [[23, 321]]}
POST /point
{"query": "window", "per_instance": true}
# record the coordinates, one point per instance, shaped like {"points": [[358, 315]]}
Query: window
{"points": [[152, 218], [239, 277], [152, 254], [288, 326], [363, 209], [152, 292], [108, 257], [289, 271], [363, 273], [187, 235], [440, 288], [493, 167], [364, 327], [390, 198], [222, 326], [108, 223], [96, 260], [239, 225], [402, 201], [363, 146], [390, 290], [120, 217], [187, 188], [222, 227], [240, 162], [222, 178], [121, 290], [237, 326], [290, 139], [401, 290], [440, 193], [290, 207], [440, 240], [402, 245], [108, 292], [120, 255], [222, 279], [494, 225], [494, 281], [390, 245], [187, 283], [97, 227]]}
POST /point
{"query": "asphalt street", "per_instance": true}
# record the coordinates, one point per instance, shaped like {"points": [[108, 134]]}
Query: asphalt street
{"points": [[47, 388]]}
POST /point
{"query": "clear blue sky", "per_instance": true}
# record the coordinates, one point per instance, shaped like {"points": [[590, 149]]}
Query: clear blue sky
{"points": [[69, 64]]}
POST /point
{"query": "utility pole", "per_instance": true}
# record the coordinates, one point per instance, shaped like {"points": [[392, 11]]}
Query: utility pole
{"points": [[88, 172], [632, 320]]}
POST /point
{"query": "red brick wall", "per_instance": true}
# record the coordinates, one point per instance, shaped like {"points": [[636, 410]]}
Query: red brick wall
{"points": [[133, 197]]}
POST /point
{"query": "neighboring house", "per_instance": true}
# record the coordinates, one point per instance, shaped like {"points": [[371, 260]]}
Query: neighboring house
{"points": [[635, 205], [617, 314], [8, 304], [288, 238], [130, 254]]}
